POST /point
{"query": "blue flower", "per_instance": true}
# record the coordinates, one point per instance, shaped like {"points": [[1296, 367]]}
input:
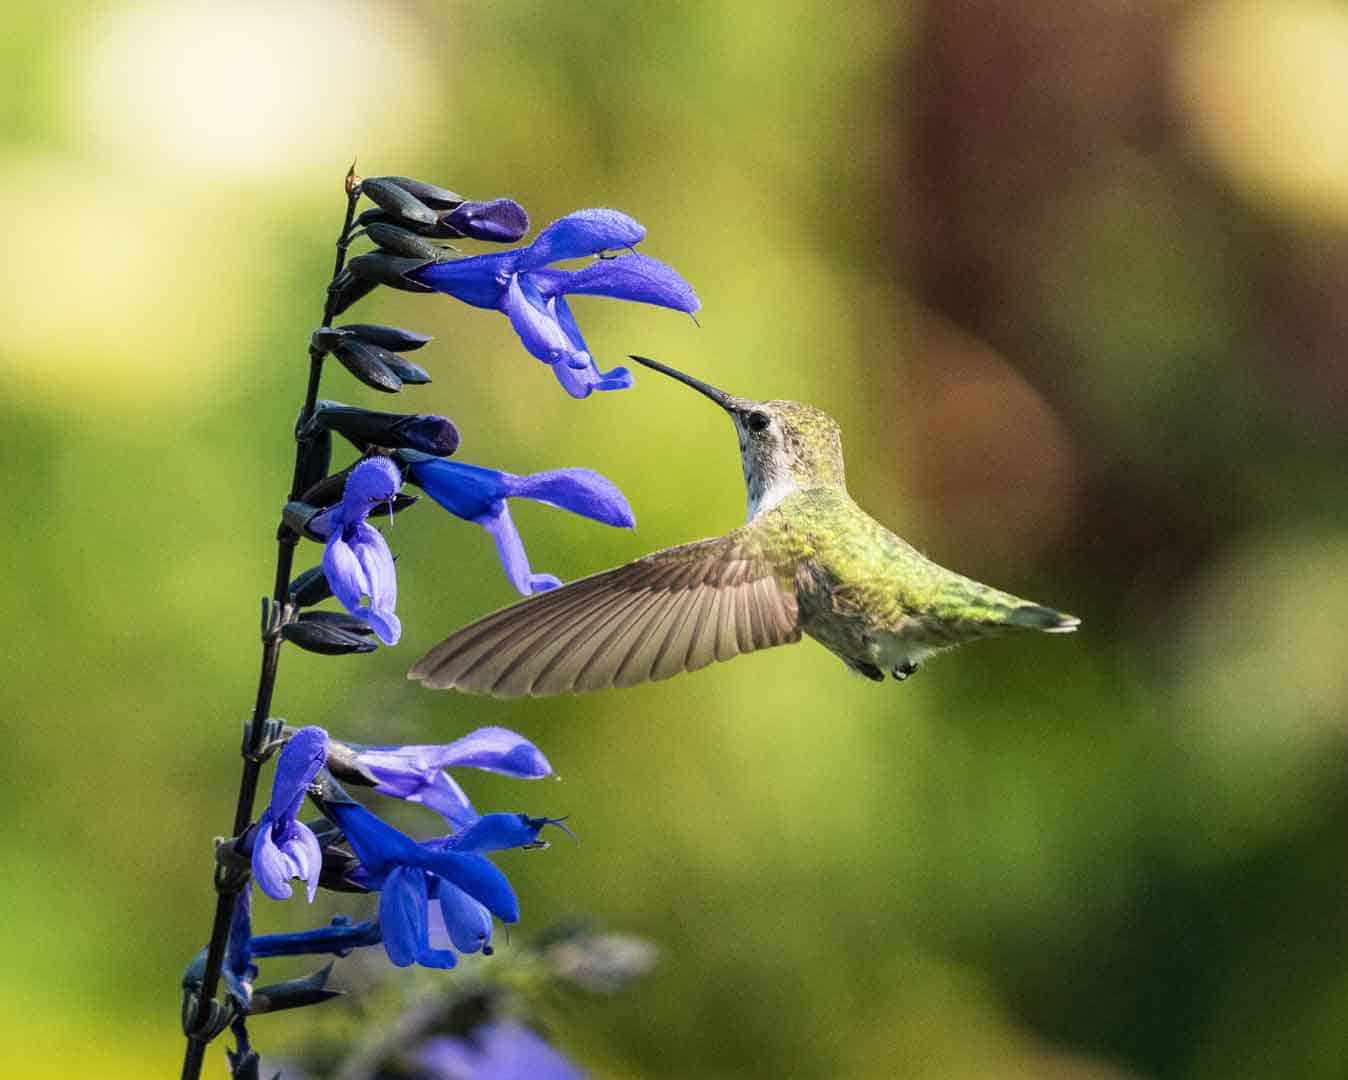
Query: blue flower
{"points": [[519, 284], [479, 495], [357, 560], [283, 848], [495, 1050], [410, 875], [416, 773]]}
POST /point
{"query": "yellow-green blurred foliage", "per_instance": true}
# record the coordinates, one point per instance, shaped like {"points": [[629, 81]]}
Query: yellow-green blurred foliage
{"points": [[1073, 276]]}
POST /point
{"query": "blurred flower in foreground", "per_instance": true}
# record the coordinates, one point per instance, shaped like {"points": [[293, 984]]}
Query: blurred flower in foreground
{"points": [[357, 560], [479, 495], [496, 1050], [416, 773], [284, 848], [518, 284]]}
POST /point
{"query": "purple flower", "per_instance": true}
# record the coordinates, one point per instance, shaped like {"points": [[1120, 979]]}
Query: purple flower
{"points": [[357, 560], [416, 773], [479, 495], [496, 1050], [284, 848], [409, 875], [519, 284]]}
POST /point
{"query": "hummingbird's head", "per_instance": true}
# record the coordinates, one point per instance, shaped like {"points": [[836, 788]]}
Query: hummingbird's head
{"points": [[784, 445]]}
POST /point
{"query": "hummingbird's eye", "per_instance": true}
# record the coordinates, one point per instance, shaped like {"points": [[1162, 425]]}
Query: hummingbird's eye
{"points": [[759, 421]]}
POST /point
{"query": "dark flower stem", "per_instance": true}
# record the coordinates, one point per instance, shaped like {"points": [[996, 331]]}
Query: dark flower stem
{"points": [[228, 886]]}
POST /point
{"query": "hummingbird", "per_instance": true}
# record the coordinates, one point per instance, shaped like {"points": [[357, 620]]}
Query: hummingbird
{"points": [[809, 560]]}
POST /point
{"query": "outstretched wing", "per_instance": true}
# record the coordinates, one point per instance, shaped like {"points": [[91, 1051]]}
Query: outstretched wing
{"points": [[675, 610]]}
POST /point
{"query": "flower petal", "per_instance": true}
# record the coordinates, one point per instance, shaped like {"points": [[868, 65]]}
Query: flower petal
{"points": [[468, 491], [296, 766], [582, 491], [467, 922], [585, 232], [628, 277], [510, 550], [271, 869], [536, 325], [306, 856], [501, 221], [374, 481], [498, 750], [346, 577], [579, 384], [376, 844], [474, 875], [497, 832], [372, 552], [479, 280], [402, 915], [448, 799]]}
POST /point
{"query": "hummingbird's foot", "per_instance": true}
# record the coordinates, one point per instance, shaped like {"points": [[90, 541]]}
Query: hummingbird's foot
{"points": [[904, 670]]}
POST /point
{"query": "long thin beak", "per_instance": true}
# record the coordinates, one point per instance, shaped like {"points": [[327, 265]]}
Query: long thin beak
{"points": [[719, 396]]}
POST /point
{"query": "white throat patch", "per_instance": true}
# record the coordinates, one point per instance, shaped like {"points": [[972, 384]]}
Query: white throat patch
{"points": [[772, 496]]}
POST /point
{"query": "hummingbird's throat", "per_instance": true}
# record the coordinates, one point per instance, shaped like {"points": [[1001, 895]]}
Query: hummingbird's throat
{"points": [[767, 492]]}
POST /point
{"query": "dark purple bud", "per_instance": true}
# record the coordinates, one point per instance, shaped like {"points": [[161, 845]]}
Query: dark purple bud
{"points": [[409, 372], [328, 491], [310, 588], [502, 221], [370, 364], [315, 454], [391, 270], [397, 200], [432, 195], [341, 872], [293, 993], [430, 434], [385, 269], [399, 241], [297, 515], [346, 289], [439, 230], [325, 637], [392, 338]]}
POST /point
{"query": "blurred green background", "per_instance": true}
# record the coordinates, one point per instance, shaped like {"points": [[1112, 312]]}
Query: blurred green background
{"points": [[1073, 275]]}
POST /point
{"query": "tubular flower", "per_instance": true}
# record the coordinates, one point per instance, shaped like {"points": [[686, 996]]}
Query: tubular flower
{"points": [[284, 848], [409, 875], [416, 773], [479, 495], [356, 560], [520, 284]]}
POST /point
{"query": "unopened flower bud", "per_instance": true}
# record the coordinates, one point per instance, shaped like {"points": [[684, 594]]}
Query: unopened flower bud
{"points": [[393, 338], [431, 434], [346, 289], [310, 588], [298, 517], [431, 194], [329, 633], [369, 363], [501, 221], [385, 269], [399, 241], [397, 200]]}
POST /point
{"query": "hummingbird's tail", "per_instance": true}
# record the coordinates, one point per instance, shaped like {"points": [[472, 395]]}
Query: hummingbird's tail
{"points": [[1038, 617]]}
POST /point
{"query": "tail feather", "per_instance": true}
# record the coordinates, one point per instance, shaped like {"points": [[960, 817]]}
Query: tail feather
{"points": [[1038, 617]]}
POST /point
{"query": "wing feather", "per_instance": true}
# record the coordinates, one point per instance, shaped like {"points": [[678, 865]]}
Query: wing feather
{"points": [[675, 610]]}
